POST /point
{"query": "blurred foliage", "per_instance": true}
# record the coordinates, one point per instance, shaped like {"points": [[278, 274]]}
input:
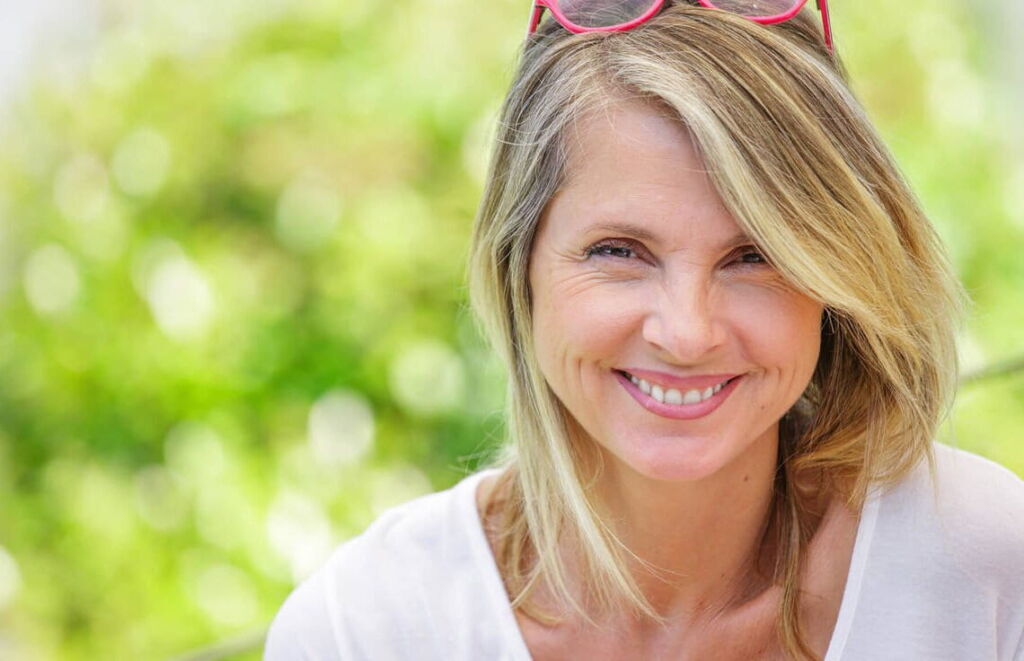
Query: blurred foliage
{"points": [[234, 324]]}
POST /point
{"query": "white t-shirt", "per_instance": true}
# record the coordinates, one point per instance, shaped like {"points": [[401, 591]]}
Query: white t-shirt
{"points": [[935, 575]]}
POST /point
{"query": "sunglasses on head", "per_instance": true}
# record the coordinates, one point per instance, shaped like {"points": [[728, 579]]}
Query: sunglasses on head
{"points": [[619, 15]]}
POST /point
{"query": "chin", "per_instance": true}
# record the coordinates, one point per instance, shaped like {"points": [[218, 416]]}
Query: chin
{"points": [[672, 459]]}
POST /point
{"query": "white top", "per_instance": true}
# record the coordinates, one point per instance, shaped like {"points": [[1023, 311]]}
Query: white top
{"points": [[935, 574]]}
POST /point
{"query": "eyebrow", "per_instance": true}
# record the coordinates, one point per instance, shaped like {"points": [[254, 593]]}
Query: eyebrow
{"points": [[643, 234], [624, 228]]}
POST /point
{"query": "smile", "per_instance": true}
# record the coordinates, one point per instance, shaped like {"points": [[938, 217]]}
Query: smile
{"points": [[674, 403], [673, 396]]}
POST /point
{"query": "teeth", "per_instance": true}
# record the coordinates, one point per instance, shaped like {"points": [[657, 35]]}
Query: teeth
{"points": [[691, 397], [673, 396]]}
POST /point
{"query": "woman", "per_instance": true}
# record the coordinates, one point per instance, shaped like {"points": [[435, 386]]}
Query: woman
{"points": [[729, 330]]}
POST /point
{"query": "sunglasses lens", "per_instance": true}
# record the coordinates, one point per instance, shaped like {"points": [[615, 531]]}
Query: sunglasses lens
{"points": [[603, 13], [756, 8]]}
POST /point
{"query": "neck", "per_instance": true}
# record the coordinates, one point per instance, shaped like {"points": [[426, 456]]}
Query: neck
{"points": [[698, 543]]}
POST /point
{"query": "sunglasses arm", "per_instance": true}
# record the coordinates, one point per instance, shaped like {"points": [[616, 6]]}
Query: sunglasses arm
{"points": [[535, 15], [826, 24]]}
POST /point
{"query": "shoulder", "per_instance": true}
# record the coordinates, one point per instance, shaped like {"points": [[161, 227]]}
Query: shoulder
{"points": [[936, 570], [969, 516], [981, 496], [965, 488], [375, 596], [302, 629]]}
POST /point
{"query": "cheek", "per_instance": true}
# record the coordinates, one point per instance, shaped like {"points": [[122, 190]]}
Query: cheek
{"points": [[583, 316], [781, 327], [570, 338]]}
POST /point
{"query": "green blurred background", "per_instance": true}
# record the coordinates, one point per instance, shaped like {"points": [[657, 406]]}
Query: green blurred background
{"points": [[233, 322]]}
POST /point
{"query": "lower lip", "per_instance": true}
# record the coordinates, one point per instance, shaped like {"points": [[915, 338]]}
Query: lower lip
{"points": [[678, 411]]}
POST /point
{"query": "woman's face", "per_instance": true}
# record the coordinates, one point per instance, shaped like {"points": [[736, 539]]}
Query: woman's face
{"points": [[638, 267]]}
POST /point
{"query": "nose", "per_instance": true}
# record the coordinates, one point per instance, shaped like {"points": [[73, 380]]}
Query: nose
{"points": [[685, 324]]}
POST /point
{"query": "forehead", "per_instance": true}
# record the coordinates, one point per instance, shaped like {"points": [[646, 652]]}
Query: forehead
{"points": [[633, 160], [626, 125], [629, 143]]}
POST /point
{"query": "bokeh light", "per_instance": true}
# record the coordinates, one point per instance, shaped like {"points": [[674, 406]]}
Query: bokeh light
{"points": [[427, 377], [52, 280], [307, 213], [141, 160], [81, 188], [300, 532], [341, 428], [10, 579], [178, 292]]}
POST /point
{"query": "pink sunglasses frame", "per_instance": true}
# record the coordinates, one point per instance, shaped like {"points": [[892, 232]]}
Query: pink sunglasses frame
{"points": [[552, 5]]}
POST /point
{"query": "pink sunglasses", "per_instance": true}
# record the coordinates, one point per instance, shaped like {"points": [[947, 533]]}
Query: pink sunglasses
{"points": [[620, 15]]}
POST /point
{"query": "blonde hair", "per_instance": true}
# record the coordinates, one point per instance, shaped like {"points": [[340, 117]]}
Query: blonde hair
{"points": [[799, 165]]}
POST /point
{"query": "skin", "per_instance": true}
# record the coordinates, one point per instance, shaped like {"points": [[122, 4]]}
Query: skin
{"points": [[697, 298]]}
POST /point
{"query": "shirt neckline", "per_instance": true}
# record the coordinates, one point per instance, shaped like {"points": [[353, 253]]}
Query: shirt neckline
{"points": [[494, 587]]}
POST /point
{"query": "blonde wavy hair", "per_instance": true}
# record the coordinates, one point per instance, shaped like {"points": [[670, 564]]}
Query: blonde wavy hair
{"points": [[802, 170]]}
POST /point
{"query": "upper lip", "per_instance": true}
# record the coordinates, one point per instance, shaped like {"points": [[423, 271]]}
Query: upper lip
{"points": [[698, 382]]}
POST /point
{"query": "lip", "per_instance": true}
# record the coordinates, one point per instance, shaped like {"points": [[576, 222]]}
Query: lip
{"points": [[681, 383], [679, 411]]}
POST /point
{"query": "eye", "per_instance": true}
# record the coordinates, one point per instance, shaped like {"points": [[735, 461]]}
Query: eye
{"points": [[610, 248], [750, 255]]}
